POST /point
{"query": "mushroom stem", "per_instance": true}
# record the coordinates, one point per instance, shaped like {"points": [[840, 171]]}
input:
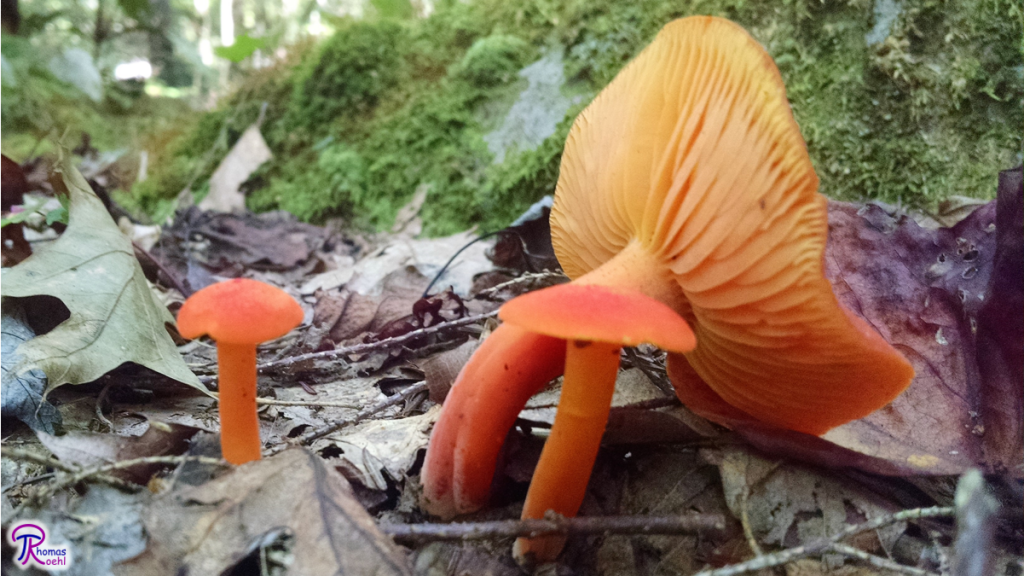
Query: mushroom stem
{"points": [[562, 474], [511, 365], [239, 425]]}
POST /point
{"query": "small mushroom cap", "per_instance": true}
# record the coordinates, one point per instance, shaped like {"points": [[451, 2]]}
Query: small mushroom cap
{"points": [[599, 314], [239, 311]]}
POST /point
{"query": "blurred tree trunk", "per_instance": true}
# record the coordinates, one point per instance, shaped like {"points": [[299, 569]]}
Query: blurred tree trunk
{"points": [[11, 16], [100, 31]]}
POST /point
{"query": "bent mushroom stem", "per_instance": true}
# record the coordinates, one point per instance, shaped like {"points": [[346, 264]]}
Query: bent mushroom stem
{"points": [[239, 424], [562, 475], [511, 365]]}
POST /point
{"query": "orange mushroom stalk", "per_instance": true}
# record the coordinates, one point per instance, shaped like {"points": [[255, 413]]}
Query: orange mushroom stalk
{"points": [[238, 314], [595, 322], [686, 181]]}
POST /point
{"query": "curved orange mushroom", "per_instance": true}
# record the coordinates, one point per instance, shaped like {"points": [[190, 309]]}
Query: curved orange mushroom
{"points": [[238, 314], [595, 322], [687, 180]]}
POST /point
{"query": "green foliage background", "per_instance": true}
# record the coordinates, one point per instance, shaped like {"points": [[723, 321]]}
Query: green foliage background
{"points": [[382, 107]]}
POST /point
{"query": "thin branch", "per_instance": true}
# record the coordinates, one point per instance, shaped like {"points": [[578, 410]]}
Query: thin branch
{"points": [[430, 532], [529, 279], [171, 277], [369, 347], [100, 472], [125, 464], [20, 454], [274, 402], [825, 545], [322, 431], [878, 561]]}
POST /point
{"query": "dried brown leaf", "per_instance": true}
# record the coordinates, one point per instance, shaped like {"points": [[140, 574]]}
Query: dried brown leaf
{"points": [[788, 505], [441, 369], [208, 529], [88, 449]]}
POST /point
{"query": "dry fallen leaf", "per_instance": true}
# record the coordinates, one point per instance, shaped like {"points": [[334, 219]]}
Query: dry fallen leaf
{"points": [[268, 241], [441, 369], [789, 505], [930, 293], [374, 445], [293, 496], [89, 449], [1001, 334], [248, 154], [115, 317], [921, 289], [22, 396]]}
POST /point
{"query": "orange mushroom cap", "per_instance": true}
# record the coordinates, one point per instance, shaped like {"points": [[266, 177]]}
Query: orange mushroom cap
{"points": [[239, 311], [691, 159], [600, 314]]}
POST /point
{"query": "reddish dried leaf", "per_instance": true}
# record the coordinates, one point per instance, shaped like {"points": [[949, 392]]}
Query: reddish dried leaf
{"points": [[14, 183], [1001, 332], [15, 247], [941, 300], [920, 289]]}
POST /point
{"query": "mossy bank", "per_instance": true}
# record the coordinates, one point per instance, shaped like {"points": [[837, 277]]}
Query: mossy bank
{"points": [[906, 101]]}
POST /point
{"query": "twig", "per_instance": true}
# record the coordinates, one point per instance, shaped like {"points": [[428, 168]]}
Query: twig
{"points": [[171, 277], [528, 278], [369, 347], [877, 561], [748, 530], [125, 464], [334, 426], [100, 472], [274, 402], [429, 532], [825, 545], [20, 454]]}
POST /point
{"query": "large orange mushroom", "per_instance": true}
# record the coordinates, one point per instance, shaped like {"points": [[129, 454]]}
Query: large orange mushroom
{"points": [[685, 180]]}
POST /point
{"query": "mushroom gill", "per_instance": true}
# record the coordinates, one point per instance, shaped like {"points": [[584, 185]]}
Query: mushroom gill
{"points": [[689, 171]]}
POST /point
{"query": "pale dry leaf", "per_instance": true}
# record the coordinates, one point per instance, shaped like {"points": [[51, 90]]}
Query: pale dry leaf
{"points": [[89, 449], [115, 317], [390, 444], [248, 154], [789, 505], [440, 370]]}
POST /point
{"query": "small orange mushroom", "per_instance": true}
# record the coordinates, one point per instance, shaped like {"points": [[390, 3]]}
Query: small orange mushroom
{"points": [[686, 180], [239, 314], [595, 322]]}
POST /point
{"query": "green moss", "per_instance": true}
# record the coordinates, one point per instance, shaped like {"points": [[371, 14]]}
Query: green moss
{"points": [[382, 108], [349, 75], [494, 60]]}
